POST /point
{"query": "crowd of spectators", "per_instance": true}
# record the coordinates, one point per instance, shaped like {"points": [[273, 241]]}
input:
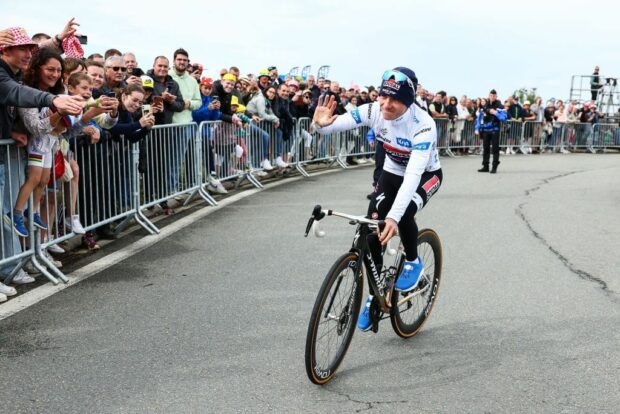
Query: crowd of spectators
{"points": [[81, 111]]}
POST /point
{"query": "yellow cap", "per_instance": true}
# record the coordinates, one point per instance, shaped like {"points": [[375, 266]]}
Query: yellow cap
{"points": [[230, 76]]}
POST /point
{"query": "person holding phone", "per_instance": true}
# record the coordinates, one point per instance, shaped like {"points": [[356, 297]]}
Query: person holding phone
{"points": [[166, 88]]}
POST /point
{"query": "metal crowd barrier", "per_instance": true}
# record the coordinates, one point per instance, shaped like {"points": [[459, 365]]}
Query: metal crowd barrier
{"points": [[114, 182], [461, 137]]}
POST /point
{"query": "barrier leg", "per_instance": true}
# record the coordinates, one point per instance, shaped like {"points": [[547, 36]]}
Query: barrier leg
{"points": [[38, 255]]}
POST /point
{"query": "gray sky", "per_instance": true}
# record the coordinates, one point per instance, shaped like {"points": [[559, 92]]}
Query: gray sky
{"points": [[463, 47]]}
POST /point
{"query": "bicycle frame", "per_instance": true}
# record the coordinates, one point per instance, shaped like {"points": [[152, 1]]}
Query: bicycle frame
{"points": [[366, 228], [381, 286]]}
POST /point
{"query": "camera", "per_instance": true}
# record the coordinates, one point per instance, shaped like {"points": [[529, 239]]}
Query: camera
{"points": [[83, 39]]}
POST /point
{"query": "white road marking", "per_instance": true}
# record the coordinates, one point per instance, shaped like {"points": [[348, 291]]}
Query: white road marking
{"points": [[36, 295]]}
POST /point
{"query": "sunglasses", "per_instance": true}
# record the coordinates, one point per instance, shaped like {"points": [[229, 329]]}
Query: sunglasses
{"points": [[398, 77], [117, 68]]}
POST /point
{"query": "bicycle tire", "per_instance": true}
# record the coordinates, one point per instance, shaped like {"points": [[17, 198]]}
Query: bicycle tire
{"points": [[318, 371], [411, 326]]}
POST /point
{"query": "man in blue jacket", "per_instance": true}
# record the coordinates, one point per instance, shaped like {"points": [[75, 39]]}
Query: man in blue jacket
{"points": [[487, 126]]}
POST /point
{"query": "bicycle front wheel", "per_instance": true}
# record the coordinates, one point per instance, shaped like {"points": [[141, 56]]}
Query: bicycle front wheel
{"points": [[333, 319], [411, 309]]}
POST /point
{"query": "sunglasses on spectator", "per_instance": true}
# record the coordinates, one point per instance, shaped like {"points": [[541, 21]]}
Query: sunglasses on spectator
{"points": [[117, 68], [398, 77]]}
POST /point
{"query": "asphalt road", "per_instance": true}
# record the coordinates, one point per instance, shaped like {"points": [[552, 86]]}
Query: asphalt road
{"points": [[214, 318]]}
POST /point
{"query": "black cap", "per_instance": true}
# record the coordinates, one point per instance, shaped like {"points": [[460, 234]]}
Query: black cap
{"points": [[270, 68], [493, 92]]}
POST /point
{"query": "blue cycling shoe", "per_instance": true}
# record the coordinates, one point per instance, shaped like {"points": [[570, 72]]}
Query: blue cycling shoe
{"points": [[363, 322], [18, 224], [410, 276], [38, 222]]}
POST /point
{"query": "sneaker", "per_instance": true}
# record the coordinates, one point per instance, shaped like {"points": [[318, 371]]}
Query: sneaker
{"points": [[18, 225], [484, 169], [280, 163], [22, 278], [76, 226], [36, 217], [216, 186], [2, 298], [564, 151], [54, 248], [363, 322], [90, 241], [266, 165], [259, 173], [7, 290], [409, 277], [361, 161]]}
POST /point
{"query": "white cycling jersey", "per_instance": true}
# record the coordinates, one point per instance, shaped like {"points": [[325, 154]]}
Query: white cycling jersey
{"points": [[410, 143]]}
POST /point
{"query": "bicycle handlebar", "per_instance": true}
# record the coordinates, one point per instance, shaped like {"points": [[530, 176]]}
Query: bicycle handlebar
{"points": [[318, 214]]}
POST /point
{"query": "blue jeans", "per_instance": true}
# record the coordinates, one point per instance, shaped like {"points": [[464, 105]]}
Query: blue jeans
{"points": [[181, 140], [11, 179]]}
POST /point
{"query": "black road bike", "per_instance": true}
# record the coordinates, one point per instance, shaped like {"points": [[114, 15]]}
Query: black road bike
{"points": [[337, 306]]}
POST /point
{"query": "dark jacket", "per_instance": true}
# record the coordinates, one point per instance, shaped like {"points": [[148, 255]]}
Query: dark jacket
{"points": [[339, 106], [486, 122], [515, 111], [127, 128], [452, 112], [316, 92], [162, 118], [300, 110], [282, 111], [224, 98], [13, 95]]}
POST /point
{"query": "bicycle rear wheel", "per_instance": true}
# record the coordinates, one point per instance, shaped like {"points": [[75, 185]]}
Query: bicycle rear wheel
{"points": [[411, 309], [333, 319]]}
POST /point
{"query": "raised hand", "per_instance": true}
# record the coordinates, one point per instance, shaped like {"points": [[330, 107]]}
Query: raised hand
{"points": [[324, 112], [69, 29], [66, 104]]}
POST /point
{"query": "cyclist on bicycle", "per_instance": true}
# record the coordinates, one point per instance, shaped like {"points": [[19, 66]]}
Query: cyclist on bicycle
{"points": [[411, 173]]}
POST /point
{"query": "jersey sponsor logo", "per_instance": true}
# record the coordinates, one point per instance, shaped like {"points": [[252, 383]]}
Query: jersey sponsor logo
{"points": [[383, 131], [356, 116], [431, 186], [403, 142], [422, 146], [423, 130]]}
